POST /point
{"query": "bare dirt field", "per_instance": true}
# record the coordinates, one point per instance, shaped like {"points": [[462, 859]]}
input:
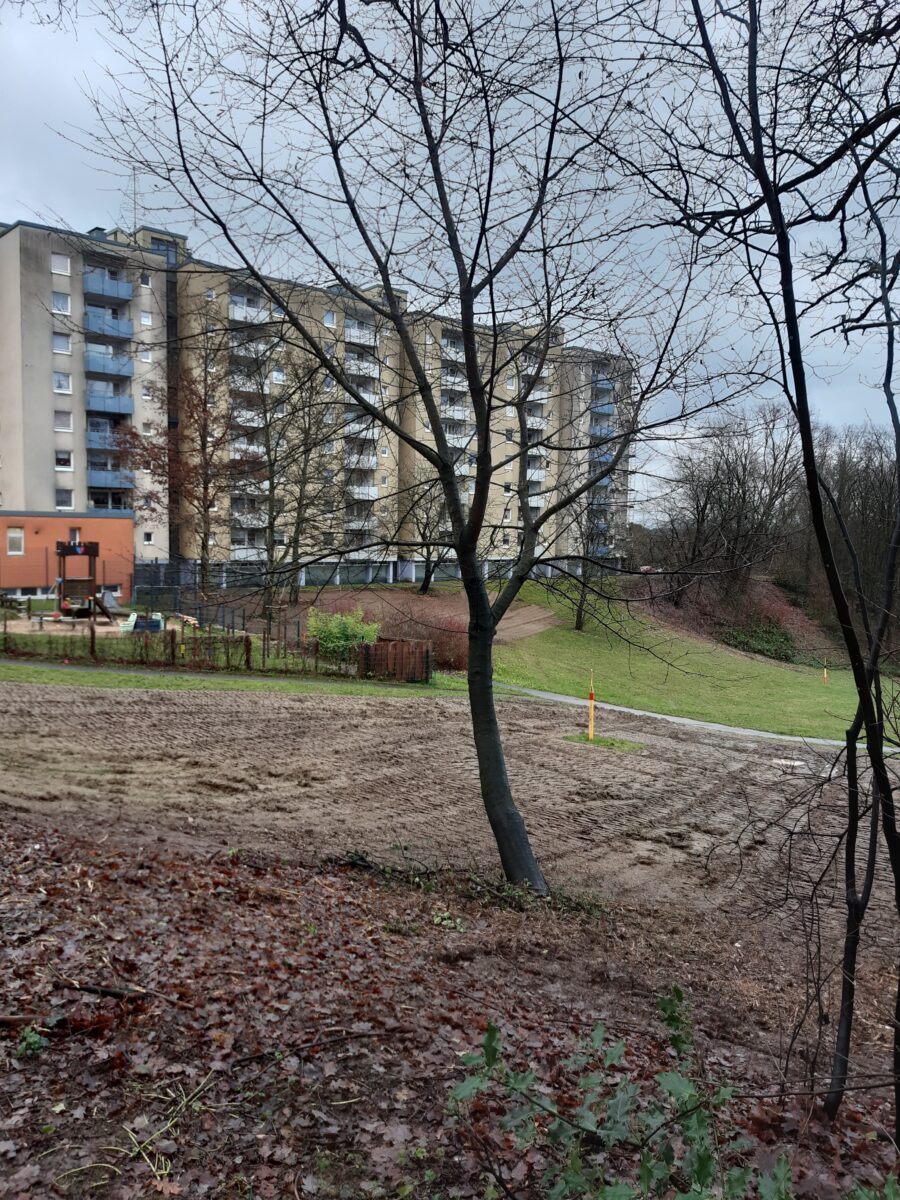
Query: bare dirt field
{"points": [[682, 839]]}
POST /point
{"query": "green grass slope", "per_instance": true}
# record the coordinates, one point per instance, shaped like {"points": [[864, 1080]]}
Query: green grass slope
{"points": [[683, 676]]}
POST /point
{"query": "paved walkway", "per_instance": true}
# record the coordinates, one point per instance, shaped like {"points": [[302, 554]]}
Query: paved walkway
{"points": [[691, 722]]}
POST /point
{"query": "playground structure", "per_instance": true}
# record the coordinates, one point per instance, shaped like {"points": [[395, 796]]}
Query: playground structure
{"points": [[77, 596]]}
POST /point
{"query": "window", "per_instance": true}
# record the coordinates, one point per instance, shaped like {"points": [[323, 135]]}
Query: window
{"points": [[328, 349], [146, 427], [429, 338], [146, 317], [145, 279], [384, 451], [62, 382], [327, 539], [328, 318], [509, 435], [145, 354], [510, 411], [146, 394], [507, 489], [15, 539], [62, 420], [148, 539], [61, 302], [75, 534], [510, 381], [278, 374], [62, 343], [64, 460], [384, 480], [60, 264], [210, 294], [506, 539], [328, 383], [64, 498]]}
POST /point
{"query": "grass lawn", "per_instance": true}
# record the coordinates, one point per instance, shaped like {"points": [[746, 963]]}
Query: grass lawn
{"points": [[27, 672], [683, 676]]}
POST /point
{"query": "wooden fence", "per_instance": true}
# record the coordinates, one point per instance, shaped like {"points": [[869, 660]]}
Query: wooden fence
{"points": [[411, 662]]}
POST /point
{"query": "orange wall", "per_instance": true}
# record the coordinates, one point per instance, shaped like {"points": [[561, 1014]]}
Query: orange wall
{"points": [[37, 566]]}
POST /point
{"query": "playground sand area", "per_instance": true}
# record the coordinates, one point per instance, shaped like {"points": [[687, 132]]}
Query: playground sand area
{"points": [[671, 837]]}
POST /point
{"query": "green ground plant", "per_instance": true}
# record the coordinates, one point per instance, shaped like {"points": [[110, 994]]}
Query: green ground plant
{"points": [[603, 1137], [339, 634]]}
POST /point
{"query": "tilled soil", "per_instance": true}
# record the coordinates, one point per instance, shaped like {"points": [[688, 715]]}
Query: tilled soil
{"points": [[684, 839]]}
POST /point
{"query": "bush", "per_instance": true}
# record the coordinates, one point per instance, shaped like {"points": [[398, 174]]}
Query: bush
{"points": [[764, 637], [602, 1138], [339, 633]]}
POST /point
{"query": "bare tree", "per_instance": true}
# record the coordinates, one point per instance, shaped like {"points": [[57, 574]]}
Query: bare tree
{"points": [[770, 140], [446, 155]]}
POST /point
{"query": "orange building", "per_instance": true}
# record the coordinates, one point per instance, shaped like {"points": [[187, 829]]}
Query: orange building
{"points": [[28, 550]]}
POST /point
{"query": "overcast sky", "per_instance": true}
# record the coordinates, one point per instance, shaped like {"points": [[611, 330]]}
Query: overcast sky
{"points": [[49, 178]]}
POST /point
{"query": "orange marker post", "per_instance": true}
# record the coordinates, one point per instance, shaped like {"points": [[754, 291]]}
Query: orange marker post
{"points": [[825, 673], [591, 710]]}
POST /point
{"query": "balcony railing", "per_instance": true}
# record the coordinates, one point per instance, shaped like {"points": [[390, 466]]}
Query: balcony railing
{"points": [[361, 429], [365, 523], [453, 381], [98, 399], [247, 520], [535, 474], [248, 416], [362, 491], [252, 316], [106, 326], [101, 478], [532, 421], [536, 502], [361, 364], [247, 553], [240, 448], [97, 283], [452, 350], [459, 440], [360, 462], [116, 504], [362, 335], [454, 412], [100, 439], [107, 364]]}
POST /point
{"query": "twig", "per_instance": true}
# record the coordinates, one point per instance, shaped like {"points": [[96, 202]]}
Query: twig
{"points": [[122, 993], [347, 1036]]}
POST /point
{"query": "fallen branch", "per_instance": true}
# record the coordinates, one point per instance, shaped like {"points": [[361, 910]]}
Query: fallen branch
{"points": [[121, 993], [318, 1043]]}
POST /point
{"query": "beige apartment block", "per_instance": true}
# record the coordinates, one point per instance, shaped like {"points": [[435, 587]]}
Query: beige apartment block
{"points": [[83, 348], [265, 458]]}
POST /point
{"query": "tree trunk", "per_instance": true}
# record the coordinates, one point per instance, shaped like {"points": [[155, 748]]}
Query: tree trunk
{"points": [[519, 863], [582, 599], [427, 577]]}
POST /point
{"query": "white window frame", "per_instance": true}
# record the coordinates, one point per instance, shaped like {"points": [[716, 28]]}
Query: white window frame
{"points": [[57, 269], [148, 537], [210, 293], [62, 391], [70, 467], [329, 312], [65, 507], [146, 317], [278, 375], [145, 354], [146, 275], [60, 297], [57, 333], [20, 531], [57, 427]]}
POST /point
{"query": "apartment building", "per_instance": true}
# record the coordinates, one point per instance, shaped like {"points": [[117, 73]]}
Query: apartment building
{"points": [[271, 460], [83, 329]]}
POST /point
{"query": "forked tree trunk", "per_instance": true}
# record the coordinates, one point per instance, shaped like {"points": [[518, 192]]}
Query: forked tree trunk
{"points": [[519, 863], [427, 577]]}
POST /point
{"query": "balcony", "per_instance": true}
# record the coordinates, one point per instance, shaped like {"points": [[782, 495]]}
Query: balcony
{"points": [[360, 462], [121, 480], [361, 335], [536, 474], [602, 408], [536, 502], [364, 524], [97, 283], [458, 439], [251, 417], [247, 554], [96, 363], [106, 326], [369, 397], [461, 467], [247, 520], [100, 439], [454, 412], [362, 491], [241, 448], [452, 350], [533, 421], [98, 399], [116, 504], [361, 429], [249, 316], [453, 381], [361, 364]]}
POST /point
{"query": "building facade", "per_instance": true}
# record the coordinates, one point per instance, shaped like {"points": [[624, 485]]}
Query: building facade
{"points": [[263, 459], [83, 326]]}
